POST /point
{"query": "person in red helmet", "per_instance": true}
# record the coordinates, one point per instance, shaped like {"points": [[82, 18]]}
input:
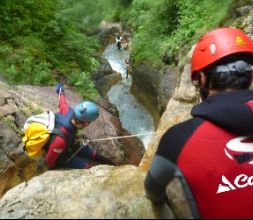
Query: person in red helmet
{"points": [[212, 153]]}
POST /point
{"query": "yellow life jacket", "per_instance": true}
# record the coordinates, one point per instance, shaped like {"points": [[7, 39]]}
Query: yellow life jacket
{"points": [[37, 132], [36, 136]]}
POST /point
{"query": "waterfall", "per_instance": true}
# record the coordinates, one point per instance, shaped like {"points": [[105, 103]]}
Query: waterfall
{"points": [[133, 115]]}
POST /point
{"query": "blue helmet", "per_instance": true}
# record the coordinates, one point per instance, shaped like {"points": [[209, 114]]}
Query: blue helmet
{"points": [[86, 111]]}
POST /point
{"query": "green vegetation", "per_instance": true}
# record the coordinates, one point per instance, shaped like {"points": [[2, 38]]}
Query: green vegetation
{"points": [[43, 41], [168, 26]]}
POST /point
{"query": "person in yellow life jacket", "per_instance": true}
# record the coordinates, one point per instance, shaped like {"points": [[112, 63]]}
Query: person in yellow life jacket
{"points": [[69, 120]]}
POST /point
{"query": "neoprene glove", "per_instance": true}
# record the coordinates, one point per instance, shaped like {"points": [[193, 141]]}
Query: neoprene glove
{"points": [[59, 88]]}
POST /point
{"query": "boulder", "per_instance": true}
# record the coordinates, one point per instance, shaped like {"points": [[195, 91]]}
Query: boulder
{"points": [[102, 192]]}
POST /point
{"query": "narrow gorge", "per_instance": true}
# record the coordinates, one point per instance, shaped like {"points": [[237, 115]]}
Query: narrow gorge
{"points": [[166, 96]]}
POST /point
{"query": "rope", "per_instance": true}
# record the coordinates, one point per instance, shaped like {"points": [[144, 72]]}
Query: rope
{"points": [[109, 138], [127, 136], [59, 96]]}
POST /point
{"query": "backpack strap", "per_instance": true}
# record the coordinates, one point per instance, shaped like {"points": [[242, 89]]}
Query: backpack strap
{"points": [[59, 132]]}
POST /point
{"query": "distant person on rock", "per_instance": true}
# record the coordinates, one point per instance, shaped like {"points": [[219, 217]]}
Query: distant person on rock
{"points": [[212, 153], [125, 45], [118, 39], [127, 67], [60, 152]]}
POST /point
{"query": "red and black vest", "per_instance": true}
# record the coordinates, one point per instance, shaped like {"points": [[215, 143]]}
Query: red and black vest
{"points": [[214, 152]]}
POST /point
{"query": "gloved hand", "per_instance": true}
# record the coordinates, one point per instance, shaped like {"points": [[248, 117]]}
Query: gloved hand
{"points": [[59, 88]]}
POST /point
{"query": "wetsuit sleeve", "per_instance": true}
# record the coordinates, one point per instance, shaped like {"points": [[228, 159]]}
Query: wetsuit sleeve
{"points": [[63, 105], [161, 172], [58, 146], [163, 167]]}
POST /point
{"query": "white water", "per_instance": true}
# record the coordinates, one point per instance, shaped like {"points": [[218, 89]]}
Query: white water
{"points": [[133, 116]]}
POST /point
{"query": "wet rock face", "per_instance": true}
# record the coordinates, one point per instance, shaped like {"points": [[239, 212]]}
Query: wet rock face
{"points": [[154, 88], [105, 83], [168, 83], [145, 88], [108, 128]]}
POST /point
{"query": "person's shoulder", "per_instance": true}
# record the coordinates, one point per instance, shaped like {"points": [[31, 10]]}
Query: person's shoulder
{"points": [[182, 131], [186, 125], [174, 139], [190, 124]]}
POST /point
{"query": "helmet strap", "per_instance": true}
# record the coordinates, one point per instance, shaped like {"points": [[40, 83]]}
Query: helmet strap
{"points": [[239, 66], [204, 89], [204, 92]]}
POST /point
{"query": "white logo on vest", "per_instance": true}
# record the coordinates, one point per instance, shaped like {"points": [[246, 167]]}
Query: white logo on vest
{"points": [[241, 181], [240, 149]]}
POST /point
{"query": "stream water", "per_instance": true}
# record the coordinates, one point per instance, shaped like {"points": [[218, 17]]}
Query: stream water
{"points": [[133, 115]]}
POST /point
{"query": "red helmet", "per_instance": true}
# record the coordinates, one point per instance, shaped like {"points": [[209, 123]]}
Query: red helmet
{"points": [[217, 44]]}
